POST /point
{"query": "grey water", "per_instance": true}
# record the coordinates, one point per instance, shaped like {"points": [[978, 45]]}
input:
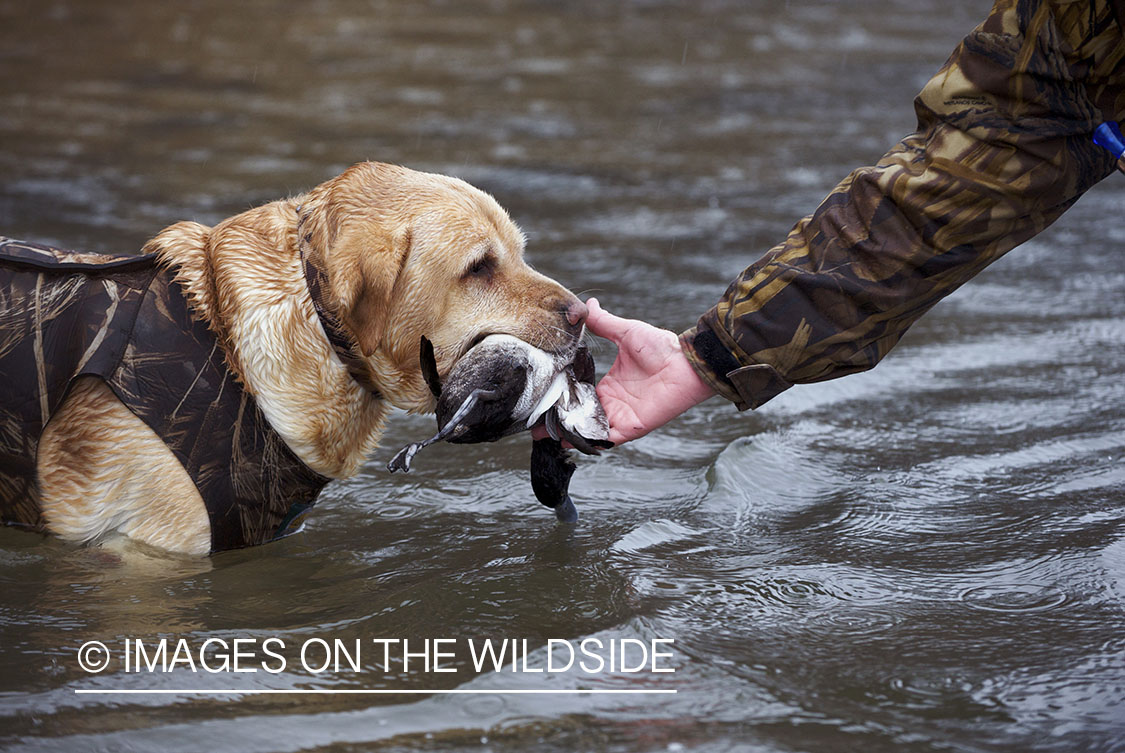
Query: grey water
{"points": [[926, 557]]}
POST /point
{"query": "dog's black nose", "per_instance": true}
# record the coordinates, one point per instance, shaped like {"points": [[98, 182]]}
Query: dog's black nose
{"points": [[576, 313]]}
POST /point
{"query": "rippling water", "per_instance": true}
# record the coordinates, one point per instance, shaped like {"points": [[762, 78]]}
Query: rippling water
{"points": [[930, 556]]}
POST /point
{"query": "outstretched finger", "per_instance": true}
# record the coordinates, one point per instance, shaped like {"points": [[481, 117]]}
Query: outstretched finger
{"points": [[607, 325]]}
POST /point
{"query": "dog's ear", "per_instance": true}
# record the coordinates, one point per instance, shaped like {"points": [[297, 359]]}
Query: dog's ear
{"points": [[319, 220], [370, 263], [360, 253]]}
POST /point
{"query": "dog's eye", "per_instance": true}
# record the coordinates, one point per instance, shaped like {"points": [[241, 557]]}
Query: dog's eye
{"points": [[482, 267]]}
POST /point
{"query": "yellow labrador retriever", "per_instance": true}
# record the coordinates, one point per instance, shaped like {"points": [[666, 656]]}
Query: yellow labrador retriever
{"points": [[308, 313]]}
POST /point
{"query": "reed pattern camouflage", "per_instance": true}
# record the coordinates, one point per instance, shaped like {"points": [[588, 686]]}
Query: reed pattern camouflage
{"points": [[1003, 147], [123, 319]]}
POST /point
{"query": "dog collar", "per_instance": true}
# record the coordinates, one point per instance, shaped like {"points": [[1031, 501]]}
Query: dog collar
{"points": [[338, 337]]}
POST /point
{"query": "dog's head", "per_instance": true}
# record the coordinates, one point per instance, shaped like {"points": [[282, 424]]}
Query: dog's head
{"points": [[412, 254]]}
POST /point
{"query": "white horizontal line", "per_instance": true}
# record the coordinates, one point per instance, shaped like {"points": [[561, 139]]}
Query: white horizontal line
{"points": [[368, 691]]}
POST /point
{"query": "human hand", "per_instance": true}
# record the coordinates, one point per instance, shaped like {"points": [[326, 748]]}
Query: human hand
{"points": [[651, 381]]}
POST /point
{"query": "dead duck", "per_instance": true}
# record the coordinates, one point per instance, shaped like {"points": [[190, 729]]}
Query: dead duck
{"points": [[503, 386]]}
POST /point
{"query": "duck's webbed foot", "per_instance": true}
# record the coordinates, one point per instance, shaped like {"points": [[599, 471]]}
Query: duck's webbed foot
{"points": [[401, 460]]}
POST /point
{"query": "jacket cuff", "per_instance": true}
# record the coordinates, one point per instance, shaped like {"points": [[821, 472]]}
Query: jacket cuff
{"points": [[748, 386]]}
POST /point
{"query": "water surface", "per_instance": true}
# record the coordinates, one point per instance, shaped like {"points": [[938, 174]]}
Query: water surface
{"points": [[930, 556]]}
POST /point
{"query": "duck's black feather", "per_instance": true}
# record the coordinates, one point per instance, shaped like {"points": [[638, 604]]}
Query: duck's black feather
{"points": [[551, 469], [429, 366]]}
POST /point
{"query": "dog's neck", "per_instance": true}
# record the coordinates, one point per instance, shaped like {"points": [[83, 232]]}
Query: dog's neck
{"points": [[343, 344], [245, 278]]}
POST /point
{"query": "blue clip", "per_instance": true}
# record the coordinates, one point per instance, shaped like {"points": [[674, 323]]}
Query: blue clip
{"points": [[1108, 135]]}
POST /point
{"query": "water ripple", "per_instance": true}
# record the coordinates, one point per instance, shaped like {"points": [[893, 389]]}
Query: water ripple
{"points": [[1013, 597]]}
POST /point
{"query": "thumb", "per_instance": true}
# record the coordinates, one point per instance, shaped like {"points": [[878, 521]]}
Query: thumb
{"points": [[607, 325]]}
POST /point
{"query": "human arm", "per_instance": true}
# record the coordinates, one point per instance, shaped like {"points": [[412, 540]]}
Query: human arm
{"points": [[1003, 147]]}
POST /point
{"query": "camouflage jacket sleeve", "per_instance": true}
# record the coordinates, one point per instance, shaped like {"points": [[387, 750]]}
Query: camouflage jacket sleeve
{"points": [[1003, 148]]}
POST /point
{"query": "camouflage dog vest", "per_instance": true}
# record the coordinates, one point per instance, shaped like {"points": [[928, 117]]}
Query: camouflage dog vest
{"points": [[125, 320]]}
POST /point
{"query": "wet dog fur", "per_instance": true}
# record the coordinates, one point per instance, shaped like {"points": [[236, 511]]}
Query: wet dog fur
{"points": [[407, 255]]}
